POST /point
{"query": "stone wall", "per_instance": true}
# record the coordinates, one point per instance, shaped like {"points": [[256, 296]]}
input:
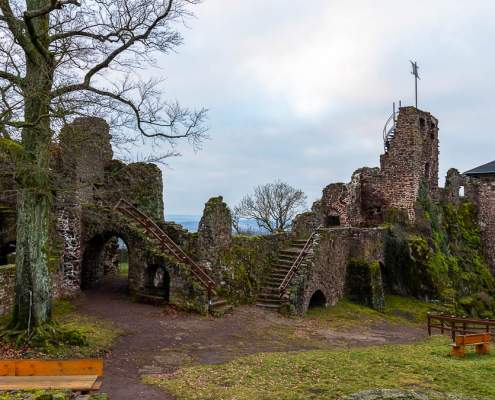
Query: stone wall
{"points": [[411, 157], [326, 270], [7, 285], [486, 216], [214, 231]]}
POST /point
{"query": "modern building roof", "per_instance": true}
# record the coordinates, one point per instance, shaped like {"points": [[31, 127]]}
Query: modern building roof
{"points": [[483, 169]]}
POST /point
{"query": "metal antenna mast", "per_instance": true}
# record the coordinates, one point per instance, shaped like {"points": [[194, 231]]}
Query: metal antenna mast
{"points": [[415, 72]]}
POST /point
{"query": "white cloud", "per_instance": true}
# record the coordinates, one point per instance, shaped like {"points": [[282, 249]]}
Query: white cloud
{"points": [[300, 90]]}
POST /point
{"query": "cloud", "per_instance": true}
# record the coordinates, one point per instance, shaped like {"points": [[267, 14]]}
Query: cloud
{"points": [[300, 91]]}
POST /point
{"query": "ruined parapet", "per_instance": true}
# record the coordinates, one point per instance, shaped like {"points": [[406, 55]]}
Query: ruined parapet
{"points": [[481, 190], [85, 152], [140, 183], [214, 230]]}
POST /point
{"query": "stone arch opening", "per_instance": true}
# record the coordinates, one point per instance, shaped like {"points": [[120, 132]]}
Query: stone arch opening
{"points": [[317, 300], [105, 255], [157, 281], [332, 219], [7, 235]]}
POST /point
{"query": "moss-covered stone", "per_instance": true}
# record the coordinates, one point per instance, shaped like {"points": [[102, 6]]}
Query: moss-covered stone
{"points": [[364, 283], [441, 257]]}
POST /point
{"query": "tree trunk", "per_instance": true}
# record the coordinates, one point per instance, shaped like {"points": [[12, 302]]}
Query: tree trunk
{"points": [[33, 281]]}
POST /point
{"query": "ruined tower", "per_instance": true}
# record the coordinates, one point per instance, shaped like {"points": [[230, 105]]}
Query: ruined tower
{"points": [[410, 160]]}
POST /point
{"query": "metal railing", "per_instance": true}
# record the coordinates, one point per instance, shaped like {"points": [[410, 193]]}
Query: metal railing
{"points": [[170, 247], [297, 263], [457, 325]]}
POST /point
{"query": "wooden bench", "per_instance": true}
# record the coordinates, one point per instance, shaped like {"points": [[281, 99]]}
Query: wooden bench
{"points": [[76, 375], [480, 340]]}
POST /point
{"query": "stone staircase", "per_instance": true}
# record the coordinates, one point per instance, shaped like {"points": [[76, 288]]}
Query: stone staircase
{"points": [[269, 296]]}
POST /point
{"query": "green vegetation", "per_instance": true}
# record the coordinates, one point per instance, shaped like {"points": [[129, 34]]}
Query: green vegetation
{"points": [[441, 257], [79, 336], [332, 374], [123, 268], [364, 283], [402, 310]]}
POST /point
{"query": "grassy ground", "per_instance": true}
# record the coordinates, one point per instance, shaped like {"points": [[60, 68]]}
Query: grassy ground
{"points": [[123, 268], [402, 310], [331, 374], [99, 335]]}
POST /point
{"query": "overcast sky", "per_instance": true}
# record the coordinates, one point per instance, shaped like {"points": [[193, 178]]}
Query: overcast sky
{"points": [[300, 90]]}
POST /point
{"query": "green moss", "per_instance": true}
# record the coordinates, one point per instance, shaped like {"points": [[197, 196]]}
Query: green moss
{"points": [[441, 257], [364, 283]]}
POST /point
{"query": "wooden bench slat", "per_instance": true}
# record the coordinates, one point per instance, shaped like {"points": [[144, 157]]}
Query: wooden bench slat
{"points": [[81, 382], [51, 367]]}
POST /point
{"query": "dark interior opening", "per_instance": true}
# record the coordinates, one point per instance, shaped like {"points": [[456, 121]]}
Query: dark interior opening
{"points": [[422, 123], [104, 256], [427, 170], [317, 300], [7, 253], [332, 219], [158, 281]]}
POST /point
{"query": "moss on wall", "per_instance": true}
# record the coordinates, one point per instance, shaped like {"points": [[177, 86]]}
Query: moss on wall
{"points": [[364, 283], [441, 258]]}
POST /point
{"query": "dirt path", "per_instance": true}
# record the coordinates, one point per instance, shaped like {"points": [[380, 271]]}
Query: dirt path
{"points": [[158, 340]]}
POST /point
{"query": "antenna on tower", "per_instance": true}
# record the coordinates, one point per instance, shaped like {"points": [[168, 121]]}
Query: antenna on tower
{"points": [[415, 73]]}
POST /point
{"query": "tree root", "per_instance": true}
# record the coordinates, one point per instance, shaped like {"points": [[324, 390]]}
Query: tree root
{"points": [[47, 335]]}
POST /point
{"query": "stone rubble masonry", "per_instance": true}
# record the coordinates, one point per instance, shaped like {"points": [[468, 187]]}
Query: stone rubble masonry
{"points": [[214, 231], [411, 158], [7, 284], [326, 271], [88, 183]]}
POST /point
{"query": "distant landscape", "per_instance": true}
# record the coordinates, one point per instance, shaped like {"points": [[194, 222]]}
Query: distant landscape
{"points": [[190, 222]]}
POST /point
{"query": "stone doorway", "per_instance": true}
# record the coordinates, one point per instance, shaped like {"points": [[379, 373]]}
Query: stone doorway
{"points": [[105, 256], [318, 300], [158, 281]]}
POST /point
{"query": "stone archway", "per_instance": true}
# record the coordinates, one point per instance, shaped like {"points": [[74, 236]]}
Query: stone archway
{"points": [[157, 281], [100, 258], [317, 300]]}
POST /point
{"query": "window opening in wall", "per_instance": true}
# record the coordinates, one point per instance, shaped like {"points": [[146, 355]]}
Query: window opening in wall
{"points": [[461, 191], [427, 170]]}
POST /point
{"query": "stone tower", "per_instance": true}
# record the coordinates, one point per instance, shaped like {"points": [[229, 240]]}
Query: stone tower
{"points": [[410, 158]]}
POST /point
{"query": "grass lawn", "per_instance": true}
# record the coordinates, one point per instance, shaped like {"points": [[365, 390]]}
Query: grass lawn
{"points": [[402, 310], [99, 335], [332, 374]]}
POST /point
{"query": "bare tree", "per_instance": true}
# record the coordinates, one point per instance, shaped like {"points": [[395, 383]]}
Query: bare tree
{"points": [[60, 59], [273, 206]]}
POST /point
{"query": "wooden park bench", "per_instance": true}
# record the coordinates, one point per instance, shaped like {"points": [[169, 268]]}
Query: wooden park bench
{"points": [[480, 340], [75, 375]]}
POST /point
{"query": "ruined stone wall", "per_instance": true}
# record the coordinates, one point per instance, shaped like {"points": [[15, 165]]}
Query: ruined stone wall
{"points": [[7, 285], [326, 270], [214, 231], [486, 216], [411, 158]]}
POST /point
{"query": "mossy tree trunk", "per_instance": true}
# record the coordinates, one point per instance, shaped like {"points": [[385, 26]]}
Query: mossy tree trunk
{"points": [[33, 282]]}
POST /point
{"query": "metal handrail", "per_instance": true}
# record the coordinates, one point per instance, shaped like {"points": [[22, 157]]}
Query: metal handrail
{"points": [[297, 263], [388, 133], [170, 246]]}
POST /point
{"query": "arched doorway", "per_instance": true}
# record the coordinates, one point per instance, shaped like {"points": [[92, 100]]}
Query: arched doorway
{"points": [[157, 282], [105, 257], [318, 300], [332, 219]]}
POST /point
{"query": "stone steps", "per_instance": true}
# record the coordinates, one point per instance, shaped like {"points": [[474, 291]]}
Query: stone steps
{"points": [[269, 296]]}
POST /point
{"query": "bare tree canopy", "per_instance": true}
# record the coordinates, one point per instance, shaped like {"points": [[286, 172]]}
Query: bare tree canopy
{"points": [[87, 57], [60, 59], [273, 206]]}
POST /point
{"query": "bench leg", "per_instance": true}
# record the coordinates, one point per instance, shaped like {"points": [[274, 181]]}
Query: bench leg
{"points": [[458, 351], [483, 348]]}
